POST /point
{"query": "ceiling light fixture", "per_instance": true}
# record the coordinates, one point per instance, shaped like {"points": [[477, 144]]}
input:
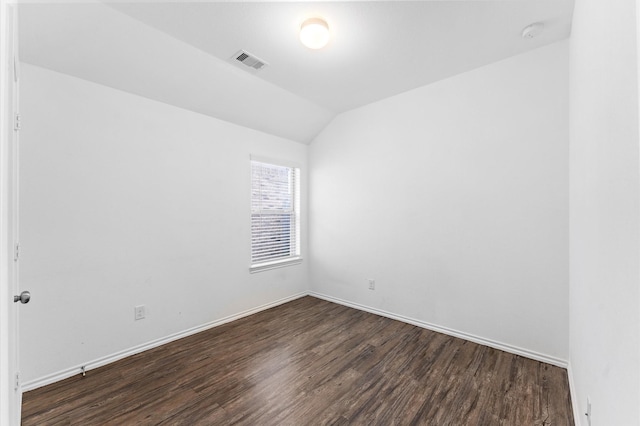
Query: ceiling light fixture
{"points": [[314, 33]]}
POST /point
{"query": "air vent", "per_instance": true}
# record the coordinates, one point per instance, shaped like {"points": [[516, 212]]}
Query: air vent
{"points": [[249, 60]]}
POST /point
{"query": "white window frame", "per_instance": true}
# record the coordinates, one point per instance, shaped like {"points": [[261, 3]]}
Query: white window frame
{"points": [[292, 259]]}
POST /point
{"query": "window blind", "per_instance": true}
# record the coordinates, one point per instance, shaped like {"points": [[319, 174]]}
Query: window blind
{"points": [[274, 215]]}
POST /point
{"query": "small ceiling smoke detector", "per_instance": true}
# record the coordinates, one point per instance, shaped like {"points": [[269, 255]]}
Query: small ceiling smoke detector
{"points": [[533, 30], [314, 33]]}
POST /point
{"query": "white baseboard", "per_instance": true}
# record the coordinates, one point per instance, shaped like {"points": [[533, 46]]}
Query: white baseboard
{"points": [[90, 365], [577, 413], [448, 331]]}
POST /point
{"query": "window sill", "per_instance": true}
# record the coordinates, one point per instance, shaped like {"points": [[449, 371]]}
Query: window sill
{"points": [[259, 267]]}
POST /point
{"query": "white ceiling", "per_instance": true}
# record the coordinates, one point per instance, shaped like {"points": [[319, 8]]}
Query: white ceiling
{"points": [[179, 53]]}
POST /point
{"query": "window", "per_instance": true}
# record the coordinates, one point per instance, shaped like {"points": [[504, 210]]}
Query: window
{"points": [[275, 215]]}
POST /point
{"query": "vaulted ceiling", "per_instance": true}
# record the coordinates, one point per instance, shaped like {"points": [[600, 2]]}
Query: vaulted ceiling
{"points": [[182, 53]]}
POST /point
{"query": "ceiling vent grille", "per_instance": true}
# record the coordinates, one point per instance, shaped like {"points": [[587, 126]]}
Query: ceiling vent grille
{"points": [[249, 60]]}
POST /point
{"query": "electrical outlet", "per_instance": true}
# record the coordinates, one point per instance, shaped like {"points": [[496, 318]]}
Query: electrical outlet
{"points": [[372, 284], [139, 312]]}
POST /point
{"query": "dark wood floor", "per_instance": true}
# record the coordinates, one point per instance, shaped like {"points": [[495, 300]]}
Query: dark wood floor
{"points": [[311, 362]]}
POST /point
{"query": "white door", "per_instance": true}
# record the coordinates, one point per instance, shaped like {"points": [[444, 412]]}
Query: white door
{"points": [[11, 395]]}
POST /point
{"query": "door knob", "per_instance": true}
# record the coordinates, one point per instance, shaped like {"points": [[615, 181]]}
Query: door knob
{"points": [[24, 297]]}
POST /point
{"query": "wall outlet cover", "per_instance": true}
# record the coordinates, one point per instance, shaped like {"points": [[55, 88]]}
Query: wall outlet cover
{"points": [[139, 312]]}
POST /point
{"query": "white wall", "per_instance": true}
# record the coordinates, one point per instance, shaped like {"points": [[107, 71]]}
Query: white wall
{"points": [[127, 201], [605, 213], [454, 198]]}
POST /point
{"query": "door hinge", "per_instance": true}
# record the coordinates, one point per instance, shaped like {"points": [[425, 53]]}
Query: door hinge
{"points": [[17, 125], [16, 254], [17, 384]]}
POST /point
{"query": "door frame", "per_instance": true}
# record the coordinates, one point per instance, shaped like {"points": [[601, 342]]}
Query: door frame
{"points": [[10, 391]]}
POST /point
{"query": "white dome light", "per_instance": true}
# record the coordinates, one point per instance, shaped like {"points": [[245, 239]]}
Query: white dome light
{"points": [[314, 33]]}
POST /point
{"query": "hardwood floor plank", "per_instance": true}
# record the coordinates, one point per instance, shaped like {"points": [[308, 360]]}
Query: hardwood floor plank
{"points": [[311, 362]]}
